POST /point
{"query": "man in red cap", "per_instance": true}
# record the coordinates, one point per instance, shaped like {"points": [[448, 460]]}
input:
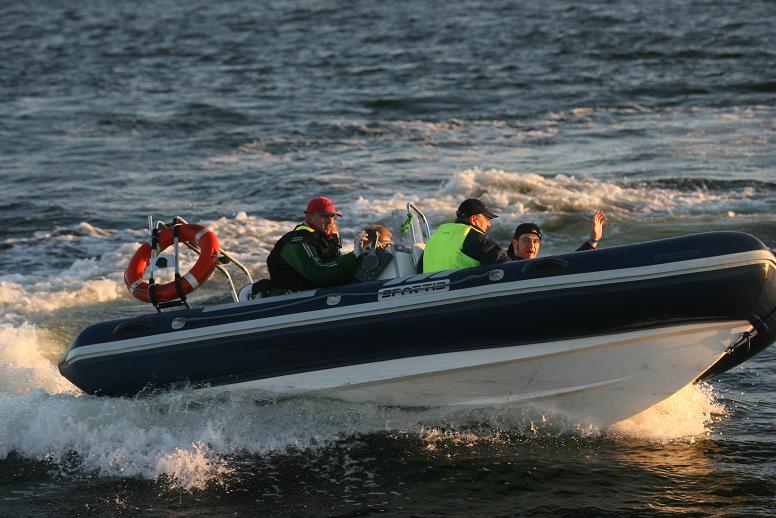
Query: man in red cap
{"points": [[463, 244], [309, 256]]}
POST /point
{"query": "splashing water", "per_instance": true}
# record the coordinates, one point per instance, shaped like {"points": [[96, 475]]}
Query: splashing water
{"points": [[686, 414]]}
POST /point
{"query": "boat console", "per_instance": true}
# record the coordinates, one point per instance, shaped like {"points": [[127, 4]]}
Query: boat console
{"points": [[402, 256]]}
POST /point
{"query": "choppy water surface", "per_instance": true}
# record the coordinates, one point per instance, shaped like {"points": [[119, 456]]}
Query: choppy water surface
{"points": [[234, 113]]}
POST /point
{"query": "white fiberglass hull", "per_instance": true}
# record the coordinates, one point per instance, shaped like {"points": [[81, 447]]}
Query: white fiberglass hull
{"points": [[597, 380]]}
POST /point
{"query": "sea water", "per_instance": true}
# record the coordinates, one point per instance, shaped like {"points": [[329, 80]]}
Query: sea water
{"points": [[233, 114]]}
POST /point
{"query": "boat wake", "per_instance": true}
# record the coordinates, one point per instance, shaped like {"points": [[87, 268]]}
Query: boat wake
{"points": [[193, 440]]}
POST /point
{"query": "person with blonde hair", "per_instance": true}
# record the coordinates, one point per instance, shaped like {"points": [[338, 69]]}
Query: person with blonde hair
{"points": [[376, 236]]}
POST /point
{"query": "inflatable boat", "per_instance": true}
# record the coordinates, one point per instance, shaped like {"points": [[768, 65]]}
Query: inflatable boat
{"points": [[597, 335]]}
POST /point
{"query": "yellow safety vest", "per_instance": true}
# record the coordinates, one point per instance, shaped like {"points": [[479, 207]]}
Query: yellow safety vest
{"points": [[444, 250]]}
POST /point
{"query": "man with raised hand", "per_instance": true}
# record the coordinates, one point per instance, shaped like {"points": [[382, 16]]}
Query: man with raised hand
{"points": [[528, 238]]}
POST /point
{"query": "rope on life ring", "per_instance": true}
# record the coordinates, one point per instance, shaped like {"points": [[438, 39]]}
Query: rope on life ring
{"points": [[199, 273]]}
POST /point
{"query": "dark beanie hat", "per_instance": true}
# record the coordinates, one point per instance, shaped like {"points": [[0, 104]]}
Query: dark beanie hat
{"points": [[528, 228]]}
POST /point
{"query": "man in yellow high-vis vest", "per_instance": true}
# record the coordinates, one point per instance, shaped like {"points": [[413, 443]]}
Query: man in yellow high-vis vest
{"points": [[464, 243]]}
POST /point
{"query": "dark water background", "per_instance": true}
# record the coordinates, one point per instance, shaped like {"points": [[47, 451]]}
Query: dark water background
{"points": [[235, 113]]}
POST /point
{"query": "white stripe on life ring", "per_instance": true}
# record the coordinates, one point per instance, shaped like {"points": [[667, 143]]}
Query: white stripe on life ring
{"points": [[192, 280], [200, 234], [135, 284]]}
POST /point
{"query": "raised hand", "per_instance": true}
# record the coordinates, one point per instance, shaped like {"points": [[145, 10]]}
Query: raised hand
{"points": [[599, 218]]}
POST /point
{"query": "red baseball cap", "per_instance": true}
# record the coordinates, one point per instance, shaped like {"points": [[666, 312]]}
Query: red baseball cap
{"points": [[322, 205]]}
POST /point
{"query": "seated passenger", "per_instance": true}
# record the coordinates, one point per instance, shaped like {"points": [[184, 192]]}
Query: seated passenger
{"points": [[463, 244], [377, 236], [309, 256], [528, 238]]}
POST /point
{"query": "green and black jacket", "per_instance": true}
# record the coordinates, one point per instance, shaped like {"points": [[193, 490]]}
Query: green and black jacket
{"points": [[305, 259]]}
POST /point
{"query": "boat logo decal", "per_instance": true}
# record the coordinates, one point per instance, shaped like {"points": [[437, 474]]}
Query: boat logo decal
{"points": [[414, 289]]}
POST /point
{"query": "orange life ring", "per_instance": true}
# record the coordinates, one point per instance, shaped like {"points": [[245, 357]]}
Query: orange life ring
{"points": [[188, 233]]}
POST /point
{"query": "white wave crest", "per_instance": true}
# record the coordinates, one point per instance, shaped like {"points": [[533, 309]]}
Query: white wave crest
{"points": [[18, 301], [248, 237], [517, 196], [27, 362]]}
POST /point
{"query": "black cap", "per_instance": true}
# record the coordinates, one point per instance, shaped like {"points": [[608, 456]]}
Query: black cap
{"points": [[472, 207], [528, 228]]}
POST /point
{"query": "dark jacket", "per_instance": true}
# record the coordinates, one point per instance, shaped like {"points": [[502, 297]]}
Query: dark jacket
{"points": [[482, 248], [585, 246], [478, 246], [305, 259]]}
